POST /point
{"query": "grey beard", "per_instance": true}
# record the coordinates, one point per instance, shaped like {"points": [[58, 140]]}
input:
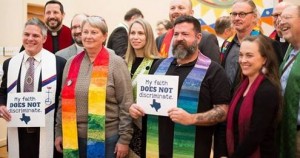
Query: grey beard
{"points": [[183, 52]]}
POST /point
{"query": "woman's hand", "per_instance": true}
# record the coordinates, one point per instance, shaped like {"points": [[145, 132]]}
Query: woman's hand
{"points": [[58, 144], [136, 111], [121, 150]]}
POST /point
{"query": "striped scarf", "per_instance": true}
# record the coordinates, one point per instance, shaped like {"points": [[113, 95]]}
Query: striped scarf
{"points": [[96, 107]]}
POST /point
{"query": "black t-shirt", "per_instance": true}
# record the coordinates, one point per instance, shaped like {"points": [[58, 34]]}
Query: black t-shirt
{"points": [[214, 90]]}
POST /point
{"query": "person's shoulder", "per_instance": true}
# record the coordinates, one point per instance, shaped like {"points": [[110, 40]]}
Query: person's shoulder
{"points": [[119, 29], [66, 28], [60, 59], [62, 52]]}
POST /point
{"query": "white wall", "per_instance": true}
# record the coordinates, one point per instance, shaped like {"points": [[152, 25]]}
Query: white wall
{"points": [[112, 11]]}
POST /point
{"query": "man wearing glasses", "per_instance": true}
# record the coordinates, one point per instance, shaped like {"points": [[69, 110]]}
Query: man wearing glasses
{"points": [[244, 18], [276, 34]]}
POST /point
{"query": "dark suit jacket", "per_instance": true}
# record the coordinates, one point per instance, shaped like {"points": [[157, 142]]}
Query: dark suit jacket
{"points": [[118, 41], [208, 46]]}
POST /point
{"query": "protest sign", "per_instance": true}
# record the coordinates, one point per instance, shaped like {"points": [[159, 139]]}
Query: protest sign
{"points": [[27, 109], [156, 94]]}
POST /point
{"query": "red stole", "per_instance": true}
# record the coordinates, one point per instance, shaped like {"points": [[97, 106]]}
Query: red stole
{"points": [[165, 46], [64, 39], [245, 114], [273, 35]]}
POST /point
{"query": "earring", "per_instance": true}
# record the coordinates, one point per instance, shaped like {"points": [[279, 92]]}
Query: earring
{"points": [[264, 70]]}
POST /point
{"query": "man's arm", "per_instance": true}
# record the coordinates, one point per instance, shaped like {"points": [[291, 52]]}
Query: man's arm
{"points": [[215, 115]]}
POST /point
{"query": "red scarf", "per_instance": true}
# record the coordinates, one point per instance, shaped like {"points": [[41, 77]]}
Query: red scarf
{"points": [[165, 46], [245, 114]]}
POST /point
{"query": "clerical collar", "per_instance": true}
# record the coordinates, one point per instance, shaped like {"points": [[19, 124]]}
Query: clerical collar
{"points": [[54, 33]]}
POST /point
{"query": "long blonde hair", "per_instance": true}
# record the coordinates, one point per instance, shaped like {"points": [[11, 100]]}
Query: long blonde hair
{"points": [[150, 49]]}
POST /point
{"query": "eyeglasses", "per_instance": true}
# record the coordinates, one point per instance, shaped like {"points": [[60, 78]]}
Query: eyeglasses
{"points": [[286, 17], [276, 15], [241, 14]]}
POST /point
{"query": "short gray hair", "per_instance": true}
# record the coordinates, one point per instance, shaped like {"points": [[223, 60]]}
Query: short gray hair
{"points": [[37, 22], [97, 22]]}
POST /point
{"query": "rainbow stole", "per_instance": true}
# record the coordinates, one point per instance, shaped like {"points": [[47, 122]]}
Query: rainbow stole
{"points": [[165, 46], [228, 43], [184, 136], [96, 107]]}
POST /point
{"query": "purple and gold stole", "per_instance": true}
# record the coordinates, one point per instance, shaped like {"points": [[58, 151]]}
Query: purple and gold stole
{"points": [[184, 136], [96, 107]]}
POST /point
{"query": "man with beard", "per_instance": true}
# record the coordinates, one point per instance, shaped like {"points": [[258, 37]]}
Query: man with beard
{"points": [[59, 35], [209, 43], [202, 100], [77, 47]]}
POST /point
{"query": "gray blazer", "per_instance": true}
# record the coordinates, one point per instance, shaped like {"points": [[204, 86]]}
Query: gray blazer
{"points": [[67, 52]]}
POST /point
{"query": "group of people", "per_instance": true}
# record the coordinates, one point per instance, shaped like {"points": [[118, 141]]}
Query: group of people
{"points": [[241, 99]]}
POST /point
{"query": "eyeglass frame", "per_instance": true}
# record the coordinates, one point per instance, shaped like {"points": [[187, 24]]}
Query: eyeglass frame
{"points": [[276, 15], [240, 14]]}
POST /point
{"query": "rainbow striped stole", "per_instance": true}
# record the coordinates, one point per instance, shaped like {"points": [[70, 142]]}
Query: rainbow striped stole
{"points": [[165, 46], [184, 136], [96, 107]]}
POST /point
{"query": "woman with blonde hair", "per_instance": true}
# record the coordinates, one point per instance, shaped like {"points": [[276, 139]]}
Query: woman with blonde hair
{"points": [[140, 56]]}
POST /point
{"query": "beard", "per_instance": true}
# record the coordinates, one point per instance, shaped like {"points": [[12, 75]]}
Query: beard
{"points": [[54, 27], [181, 50]]}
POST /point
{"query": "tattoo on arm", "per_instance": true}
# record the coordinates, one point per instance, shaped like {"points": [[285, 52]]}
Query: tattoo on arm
{"points": [[214, 116]]}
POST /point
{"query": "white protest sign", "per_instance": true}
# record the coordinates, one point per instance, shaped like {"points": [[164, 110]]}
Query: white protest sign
{"points": [[156, 94], [26, 109]]}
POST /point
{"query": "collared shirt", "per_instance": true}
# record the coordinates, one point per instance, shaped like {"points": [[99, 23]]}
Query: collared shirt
{"points": [[37, 70], [285, 76]]}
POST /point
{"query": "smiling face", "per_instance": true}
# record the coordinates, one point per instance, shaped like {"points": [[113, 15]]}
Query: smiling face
{"points": [[289, 25], [250, 59], [137, 37], [76, 28], [243, 24], [53, 16], [92, 37], [33, 39], [178, 8]]}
